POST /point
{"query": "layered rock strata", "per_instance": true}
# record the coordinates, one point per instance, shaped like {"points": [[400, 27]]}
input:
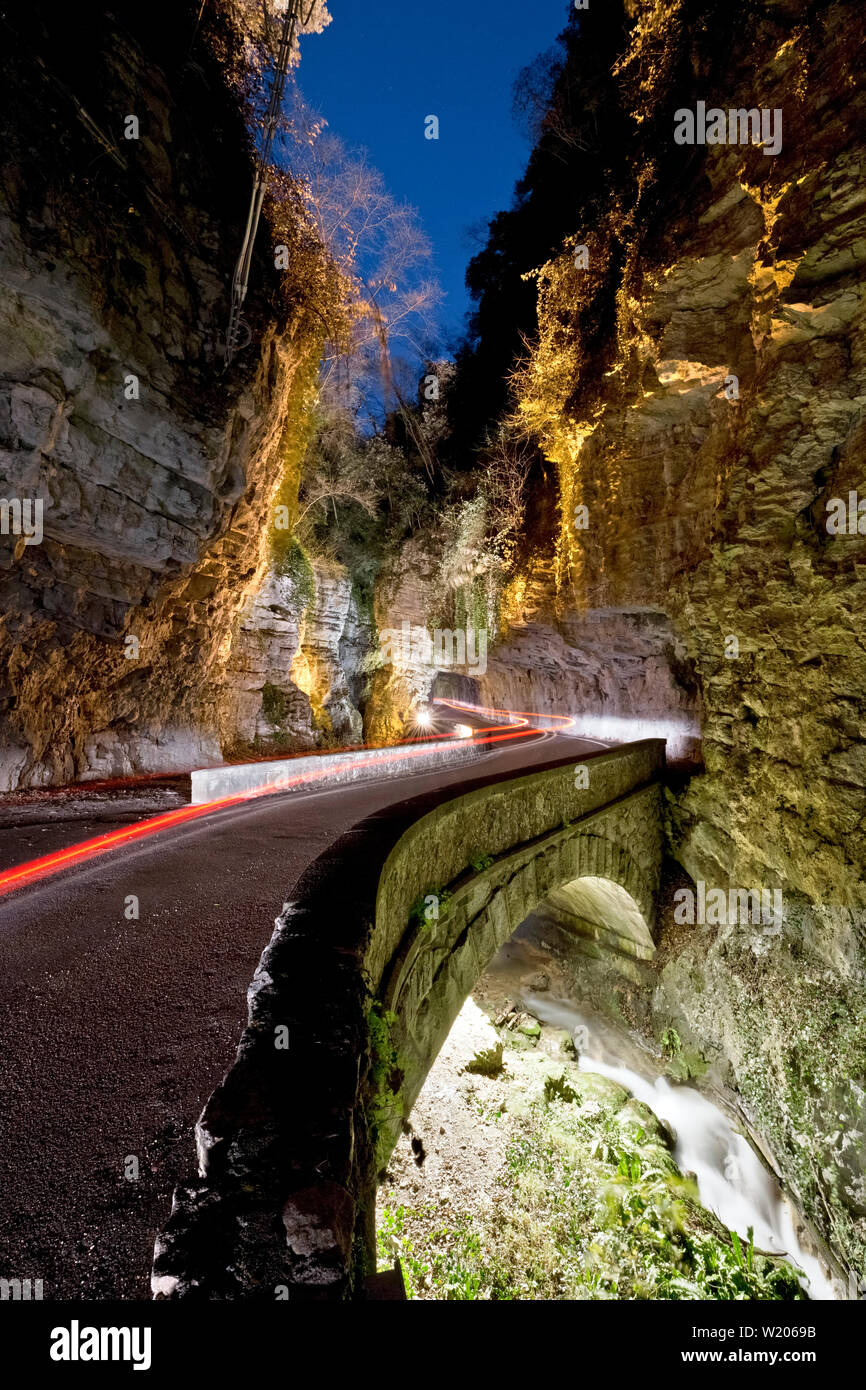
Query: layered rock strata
{"points": [[299, 662], [701, 454], [698, 385], [152, 468]]}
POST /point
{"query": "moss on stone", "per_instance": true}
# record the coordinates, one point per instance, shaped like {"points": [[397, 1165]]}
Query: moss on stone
{"points": [[792, 1036], [299, 429], [294, 563], [385, 1080]]}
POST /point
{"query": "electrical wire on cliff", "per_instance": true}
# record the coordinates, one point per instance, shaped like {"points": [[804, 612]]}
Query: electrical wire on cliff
{"points": [[240, 280]]}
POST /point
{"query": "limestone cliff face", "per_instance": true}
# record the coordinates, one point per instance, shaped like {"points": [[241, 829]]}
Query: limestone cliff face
{"points": [[622, 672], [721, 412], [335, 636], [265, 703], [154, 469], [405, 594], [699, 389], [298, 671], [706, 502]]}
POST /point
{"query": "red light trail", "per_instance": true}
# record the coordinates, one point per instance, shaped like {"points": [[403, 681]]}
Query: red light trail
{"points": [[33, 870], [525, 715]]}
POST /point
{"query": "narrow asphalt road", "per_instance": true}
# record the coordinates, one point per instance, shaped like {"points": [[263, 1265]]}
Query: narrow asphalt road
{"points": [[114, 1031]]}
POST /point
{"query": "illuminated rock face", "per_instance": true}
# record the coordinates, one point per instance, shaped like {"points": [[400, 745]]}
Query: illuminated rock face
{"points": [[149, 534], [299, 657], [265, 702], [404, 594], [707, 453], [623, 674], [334, 642], [155, 470]]}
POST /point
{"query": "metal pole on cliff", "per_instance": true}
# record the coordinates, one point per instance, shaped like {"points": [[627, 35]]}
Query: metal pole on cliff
{"points": [[240, 279]]}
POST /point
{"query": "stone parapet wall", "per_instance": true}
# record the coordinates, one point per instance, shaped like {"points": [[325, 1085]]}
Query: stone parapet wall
{"points": [[290, 1145]]}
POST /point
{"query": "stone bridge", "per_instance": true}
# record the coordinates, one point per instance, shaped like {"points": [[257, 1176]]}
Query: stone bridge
{"points": [[365, 973]]}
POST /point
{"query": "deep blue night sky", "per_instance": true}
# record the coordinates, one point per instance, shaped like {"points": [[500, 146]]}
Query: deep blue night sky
{"points": [[383, 65]]}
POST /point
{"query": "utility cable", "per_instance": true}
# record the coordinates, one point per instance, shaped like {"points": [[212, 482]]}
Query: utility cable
{"points": [[240, 279]]}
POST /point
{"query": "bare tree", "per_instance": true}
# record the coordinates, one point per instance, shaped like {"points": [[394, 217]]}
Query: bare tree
{"points": [[546, 102], [334, 471], [377, 244], [259, 21], [332, 484], [508, 460]]}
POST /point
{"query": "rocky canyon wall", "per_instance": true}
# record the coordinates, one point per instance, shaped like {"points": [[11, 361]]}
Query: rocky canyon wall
{"points": [[698, 383], [720, 413], [154, 468], [299, 665], [402, 679]]}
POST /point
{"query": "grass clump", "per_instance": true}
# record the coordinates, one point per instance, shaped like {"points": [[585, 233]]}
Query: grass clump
{"points": [[431, 907], [478, 862]]}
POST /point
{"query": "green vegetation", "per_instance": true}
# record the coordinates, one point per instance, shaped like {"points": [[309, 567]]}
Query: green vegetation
{"points": [[423, 913], [449, 1258], [384, 1108], [488, 1062], [275, 704], [479, 862], [360, 497], [684, 1063], [294, 564], [803, 1043], [592, 1206], [480, 536], [300, 427], [471, 606], [559, 1088], [276, 710]]}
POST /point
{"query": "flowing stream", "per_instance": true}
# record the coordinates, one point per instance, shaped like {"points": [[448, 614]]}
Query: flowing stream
{"points": [[732, 1181]]}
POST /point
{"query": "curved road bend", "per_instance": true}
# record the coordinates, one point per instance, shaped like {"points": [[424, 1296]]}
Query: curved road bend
{"points": [[115, 1032]]}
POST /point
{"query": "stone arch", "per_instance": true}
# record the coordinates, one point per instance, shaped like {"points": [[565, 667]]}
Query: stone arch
{"points": [[440, 964], [600, 908], [290, 1143]]}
